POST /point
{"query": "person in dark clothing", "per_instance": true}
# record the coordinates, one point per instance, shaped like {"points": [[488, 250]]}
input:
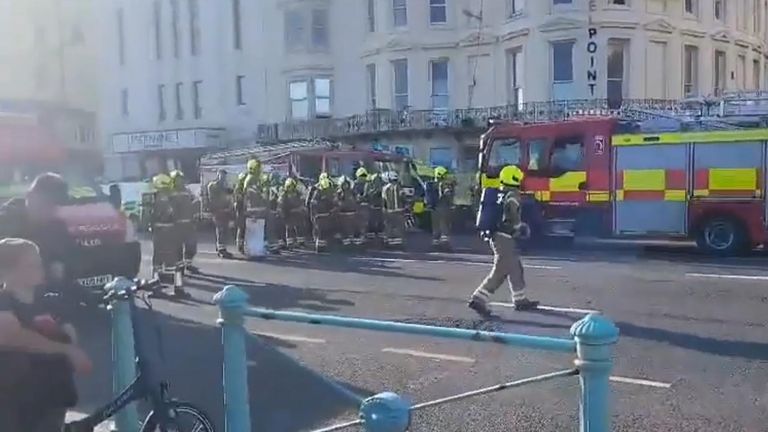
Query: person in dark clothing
{"points": [[38, 354], [35, 219]]}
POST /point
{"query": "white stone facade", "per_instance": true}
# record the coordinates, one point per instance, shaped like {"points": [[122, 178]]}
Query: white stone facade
{"points": [[253, 62]]}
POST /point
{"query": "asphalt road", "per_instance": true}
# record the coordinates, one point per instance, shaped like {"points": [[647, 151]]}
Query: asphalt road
{"points": [[693, 353]]}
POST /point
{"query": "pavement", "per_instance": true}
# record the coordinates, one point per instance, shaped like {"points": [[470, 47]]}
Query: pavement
{"points": [[693, 352]]}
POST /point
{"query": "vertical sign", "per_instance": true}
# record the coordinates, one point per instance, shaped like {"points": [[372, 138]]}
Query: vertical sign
{"points": [[592, 59]]}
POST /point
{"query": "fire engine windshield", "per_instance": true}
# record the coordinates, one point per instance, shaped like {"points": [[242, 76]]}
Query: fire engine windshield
{"points": [[505, 151]]}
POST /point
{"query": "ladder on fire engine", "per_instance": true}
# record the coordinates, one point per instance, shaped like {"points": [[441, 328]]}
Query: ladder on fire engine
{"points": [[264, 152]]}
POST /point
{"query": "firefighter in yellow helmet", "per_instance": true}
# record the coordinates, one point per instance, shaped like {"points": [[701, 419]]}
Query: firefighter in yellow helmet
{"points": [[321, 211], [257, 212], [346, 204], [183, 203], [393, 197], [293, 212], [363, 207], [443, 208], [506, 255], [220, 206], [167, 244], [373, 190]]}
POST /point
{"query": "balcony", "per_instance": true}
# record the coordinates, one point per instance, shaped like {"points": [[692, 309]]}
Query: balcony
{"points": [[384, 121]]}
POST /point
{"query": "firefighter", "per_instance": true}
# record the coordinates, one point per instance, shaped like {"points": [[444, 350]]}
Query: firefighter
{"points": [[256, 210], [166, 241], [373, 190], [221, 209], [293, 213], [442, 211], [346, 205], [321, 210], [394, 211], [508, 228], [239, 208], [363, 209], [183, 203], [274, 225]]}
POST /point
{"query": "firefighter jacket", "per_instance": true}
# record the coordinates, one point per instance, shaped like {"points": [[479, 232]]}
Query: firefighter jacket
{"points": [[183, 203], [256, 195], [359, 189], [323, 200], [392, 197], [373, 190], [162, 208], [345, 200], [289, 200], [218, 199], [446, 190], [511, 221]]}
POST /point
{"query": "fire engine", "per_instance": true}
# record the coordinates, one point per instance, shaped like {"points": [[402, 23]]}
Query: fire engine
{"points": [[702, 179]]}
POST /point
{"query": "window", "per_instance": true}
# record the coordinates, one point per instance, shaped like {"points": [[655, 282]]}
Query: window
{"points": [[194, 27], [310, 98], [505, 152], [557, 2], [567, 155], [515, 7], [438, 74], [239, 93], [720, 72], [720, 11], [237, 30], [371, 72], [741, 72], [400, 13], [121, 36], [515, 77], [294, 30], [400, 71], [690, 70], [158, 32], [756, 16], [537, 154], [198, 110], [615, 78], [691, 7], [124, 102], [437, 12], [756, 74], [656, 70], [619, 2], [179, 106], [161, 114], [320, 28], [441, 156], [371, 16], [562, 68], [175, 27]]}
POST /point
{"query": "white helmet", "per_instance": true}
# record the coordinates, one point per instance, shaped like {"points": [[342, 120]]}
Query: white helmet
{"points": [[392, 176]]}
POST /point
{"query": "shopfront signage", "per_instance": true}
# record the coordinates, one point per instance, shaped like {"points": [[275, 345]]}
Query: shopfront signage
{"points": [[166, 140]]}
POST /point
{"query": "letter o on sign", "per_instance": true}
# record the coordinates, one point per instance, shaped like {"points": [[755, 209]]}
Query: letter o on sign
{"points": [[592, 47]]}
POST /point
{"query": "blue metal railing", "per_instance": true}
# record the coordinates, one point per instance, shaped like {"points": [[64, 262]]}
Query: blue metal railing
{"points": [[592, 340]]}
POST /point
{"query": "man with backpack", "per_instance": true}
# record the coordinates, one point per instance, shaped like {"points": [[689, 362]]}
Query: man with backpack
{"points": [[500, 223]]}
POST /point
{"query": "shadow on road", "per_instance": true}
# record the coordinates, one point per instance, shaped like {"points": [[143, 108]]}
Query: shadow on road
{"points": [[284, 395], [709, 345]]}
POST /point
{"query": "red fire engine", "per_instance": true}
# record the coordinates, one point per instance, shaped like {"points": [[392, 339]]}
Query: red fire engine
{"points": [[585, 177]]}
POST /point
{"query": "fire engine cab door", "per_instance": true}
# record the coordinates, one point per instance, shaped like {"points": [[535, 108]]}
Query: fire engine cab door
{"points": [[651, 187]]}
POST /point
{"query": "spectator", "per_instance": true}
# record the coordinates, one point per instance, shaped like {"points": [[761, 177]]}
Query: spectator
{"points": [[37, 354], [35, 219]]}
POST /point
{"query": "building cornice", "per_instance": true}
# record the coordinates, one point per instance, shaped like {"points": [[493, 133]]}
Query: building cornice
{"points": [[660, 25], [614, 24], [478, 38], [693, 33], [742, 43], [514, 34], [721, 35], [561, 23]]}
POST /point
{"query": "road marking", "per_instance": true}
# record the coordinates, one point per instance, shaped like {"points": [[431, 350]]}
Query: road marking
{"points": [[550, 308], [291, 338], [433, 356], [106, 426], [727, 276], [475, 263], [642, 382]]}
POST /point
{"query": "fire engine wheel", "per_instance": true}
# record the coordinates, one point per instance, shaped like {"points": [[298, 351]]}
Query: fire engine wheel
{"points": [[722, 236]]}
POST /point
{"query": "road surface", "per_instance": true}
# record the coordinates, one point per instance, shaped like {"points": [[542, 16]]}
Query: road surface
{"points": [[693, 353]]}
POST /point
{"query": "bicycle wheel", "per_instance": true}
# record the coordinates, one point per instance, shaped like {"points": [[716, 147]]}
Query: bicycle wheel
{"points": [[185, 418]]}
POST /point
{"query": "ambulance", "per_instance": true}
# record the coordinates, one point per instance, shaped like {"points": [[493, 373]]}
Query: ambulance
{"points": [[598, 177]]}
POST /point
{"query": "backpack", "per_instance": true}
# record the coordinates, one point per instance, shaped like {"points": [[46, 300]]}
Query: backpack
{"points": [[490, 212]]}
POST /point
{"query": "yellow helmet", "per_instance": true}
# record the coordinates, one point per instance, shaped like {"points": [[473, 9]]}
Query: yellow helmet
{"points": [[289, 184], [440, 172], [254, 166], [323, 175], [361, 172], [162, 181], [511, 175], [324, 183]]}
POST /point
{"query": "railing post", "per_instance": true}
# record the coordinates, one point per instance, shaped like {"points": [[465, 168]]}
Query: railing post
{"points": [[595, 337], [237, 413], [123, 353]]}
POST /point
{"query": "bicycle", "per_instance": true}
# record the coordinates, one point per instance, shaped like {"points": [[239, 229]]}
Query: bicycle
{"points": [[166, 412]]}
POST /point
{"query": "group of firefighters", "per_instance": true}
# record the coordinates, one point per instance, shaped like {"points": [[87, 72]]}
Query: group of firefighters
{"points": [[355, 211]]}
